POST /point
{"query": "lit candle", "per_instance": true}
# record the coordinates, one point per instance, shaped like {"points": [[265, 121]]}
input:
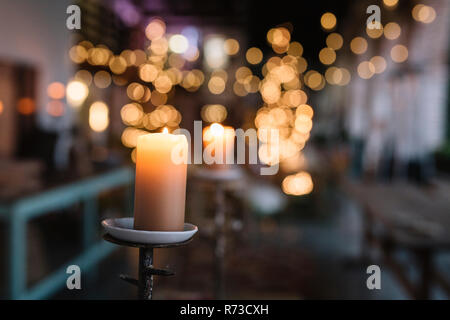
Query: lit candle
{"points": [[217, 137], [160, 195]]}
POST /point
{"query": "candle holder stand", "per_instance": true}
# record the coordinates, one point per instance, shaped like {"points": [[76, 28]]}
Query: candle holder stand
{"points": [[146, 269], [221, 180]]}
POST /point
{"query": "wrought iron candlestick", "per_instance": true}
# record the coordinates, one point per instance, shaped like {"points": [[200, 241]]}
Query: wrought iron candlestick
{"points": [[221, 180], [146, 269]]}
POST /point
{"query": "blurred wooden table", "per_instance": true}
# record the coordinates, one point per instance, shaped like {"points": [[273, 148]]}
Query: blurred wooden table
{"points": [[410, 217]]}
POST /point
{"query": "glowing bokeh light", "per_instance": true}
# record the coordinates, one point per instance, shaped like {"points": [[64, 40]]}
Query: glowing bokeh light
{"points": [[358, 45], [392, 31], [155, 29], [231, 47], [254, 55], [76, 93], [56, 90], [366, 70], [214, 113], [328, 21], [102, 79], [99, 116], [26, 106], [334, 41], [399, 53], [178, 43], [327, 56]]}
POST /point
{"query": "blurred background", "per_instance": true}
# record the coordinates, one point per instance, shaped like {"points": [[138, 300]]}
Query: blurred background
{"points": [[364, 144]]}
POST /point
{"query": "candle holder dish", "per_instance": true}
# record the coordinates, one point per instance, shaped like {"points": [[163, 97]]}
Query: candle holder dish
{"points": [[122, 228], [152, 239]]}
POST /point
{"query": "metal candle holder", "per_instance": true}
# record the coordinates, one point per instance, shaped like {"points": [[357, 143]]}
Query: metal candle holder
{"points": [[221, 180], [146, 269]]}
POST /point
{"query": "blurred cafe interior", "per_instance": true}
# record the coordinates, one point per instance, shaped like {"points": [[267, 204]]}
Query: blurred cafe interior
{"points": [[357, 91]]}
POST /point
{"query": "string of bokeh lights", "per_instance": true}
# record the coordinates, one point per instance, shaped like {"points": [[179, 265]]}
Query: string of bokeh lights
{"points": [[283, 83]]}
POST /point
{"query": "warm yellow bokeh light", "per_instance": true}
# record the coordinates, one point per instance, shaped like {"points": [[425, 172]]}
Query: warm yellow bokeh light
{"points": [[424, 13], [102, 79], [155, 29], [129, 56], [163, 83], [132, 114], [358, 45], [231, 46], [239, 89], [314, 80], [295, 49], [333, 75], [270, 91], [254, 55], [346, 77], [148, 72], [99, 56], [379, 64], [328, 21], [76, 93], [303, 123], [78, 54], [216, 85], [242, 74], [294, 98], [98, 116], [178, 43], [135, 91], [335, 41], [327, 56], [252, 85], [392, 31], [279, 37], [118, 64], [84, 76], [298, 184], [399, 53], [159, 46], [214, 113], [306, 110], [390, 3], [56, 90], [366, 70], [375, 33], [130, 136]]}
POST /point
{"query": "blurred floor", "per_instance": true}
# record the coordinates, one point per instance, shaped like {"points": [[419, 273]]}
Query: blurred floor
{"points": [[300, 258]]}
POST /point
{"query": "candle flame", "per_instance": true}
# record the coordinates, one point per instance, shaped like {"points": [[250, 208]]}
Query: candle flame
{"points": [[217, 129], [165, 130]]}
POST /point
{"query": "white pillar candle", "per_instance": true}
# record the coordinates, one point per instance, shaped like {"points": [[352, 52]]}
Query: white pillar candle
{"points": [[160, 195]]}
